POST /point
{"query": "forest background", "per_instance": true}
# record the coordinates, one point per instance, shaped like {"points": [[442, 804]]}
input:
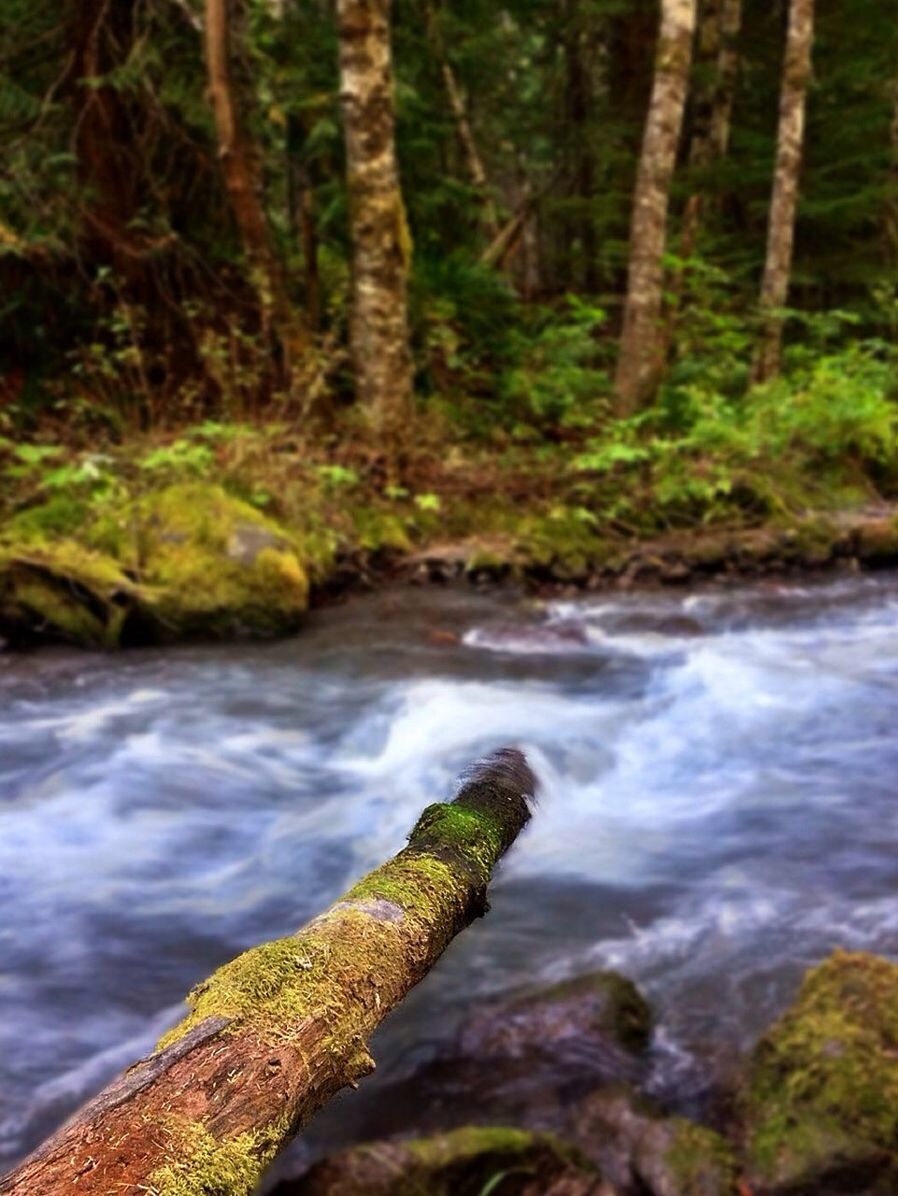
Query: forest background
{"points": [[544, 280]]}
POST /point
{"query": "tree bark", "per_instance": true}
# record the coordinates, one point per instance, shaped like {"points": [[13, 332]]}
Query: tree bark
{"points": [[727, 77], [642, 338], [381, 242], [274, 1034], [470, 150], [719, 26], [102, 36], [784, 201], [891, 213], [579, 70], [241, 164]]}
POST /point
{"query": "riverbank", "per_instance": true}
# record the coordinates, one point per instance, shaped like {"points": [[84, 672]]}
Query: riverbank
{"points": [[225, 532], [194, 562]]}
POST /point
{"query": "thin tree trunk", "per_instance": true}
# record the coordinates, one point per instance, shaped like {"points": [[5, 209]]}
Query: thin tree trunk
{"points": [[242, 172], [719, 27], [302, 217], [470, 151], [727, 77], [578, 99], [642, 338], [103, 139], [784, 201], [381, 242], [891, 213], [701, 146], [274, 1034]]}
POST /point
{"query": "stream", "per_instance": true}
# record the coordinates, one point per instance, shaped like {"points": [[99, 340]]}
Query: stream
{"points": [[718, 811]]}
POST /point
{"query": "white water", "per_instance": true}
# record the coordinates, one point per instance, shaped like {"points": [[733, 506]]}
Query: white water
{"points": [[718, 810]]}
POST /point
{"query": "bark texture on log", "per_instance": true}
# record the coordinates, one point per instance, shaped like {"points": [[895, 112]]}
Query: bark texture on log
{"points": [[273, 1035], [784, 201], [381, 243], [642, 337]]}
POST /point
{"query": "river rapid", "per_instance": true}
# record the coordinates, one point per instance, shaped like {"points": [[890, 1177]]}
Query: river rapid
{"points": [[718, 812]]}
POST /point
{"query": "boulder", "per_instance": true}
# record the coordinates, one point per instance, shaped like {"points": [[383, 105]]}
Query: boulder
{"points": [[643, 1152], [63, 592], [216, 566], [601, 1014], [186, 561], [524, 1061], [820, 1103], [466, 1162]]}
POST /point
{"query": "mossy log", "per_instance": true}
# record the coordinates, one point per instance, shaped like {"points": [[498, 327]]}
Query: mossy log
{"points": [[274, 1034]]}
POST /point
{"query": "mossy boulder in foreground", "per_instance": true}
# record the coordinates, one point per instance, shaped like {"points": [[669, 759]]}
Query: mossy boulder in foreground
{"points": [[464, 1162], [821, 1102], [186, 561]]}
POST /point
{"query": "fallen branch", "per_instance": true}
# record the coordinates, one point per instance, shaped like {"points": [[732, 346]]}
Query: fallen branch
{"points": [[273, 1035]]}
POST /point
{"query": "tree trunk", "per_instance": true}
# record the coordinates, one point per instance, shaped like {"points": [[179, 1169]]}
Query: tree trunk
{"points": [[470, 151], [302, 216], [891, 214], [642, 338], [579, 70], [719, 27], [242, 170], [727, 77], [102, 37], [274, 1034], [701, 152], [381, 242], [784, 201]]}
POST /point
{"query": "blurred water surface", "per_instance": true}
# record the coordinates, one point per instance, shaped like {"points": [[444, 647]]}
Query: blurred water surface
{"points": [[718, 811]]}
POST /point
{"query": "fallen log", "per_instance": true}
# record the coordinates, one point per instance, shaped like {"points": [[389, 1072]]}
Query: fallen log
{"points": [[274, 1034]]}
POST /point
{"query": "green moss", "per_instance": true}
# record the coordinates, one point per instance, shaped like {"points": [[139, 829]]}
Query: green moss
{"points": [[219, 567], [276, 986], [563, 541], [59, 516], [823, 1085], [377, 530], [416, 884], [471, 835], [700, 1160], [205, 1166], [468, 1142], [63, 591]]}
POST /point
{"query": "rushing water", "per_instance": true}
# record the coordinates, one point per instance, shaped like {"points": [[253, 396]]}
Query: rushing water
{"points": [[718, 811]]}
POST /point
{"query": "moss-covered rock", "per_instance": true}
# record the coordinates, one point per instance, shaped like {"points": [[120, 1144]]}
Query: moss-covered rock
{"points": [[600, 1009], [63, 592], [217, 566], [641, 1150], [464, 1162], [821, 1099], [186, 561]]}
